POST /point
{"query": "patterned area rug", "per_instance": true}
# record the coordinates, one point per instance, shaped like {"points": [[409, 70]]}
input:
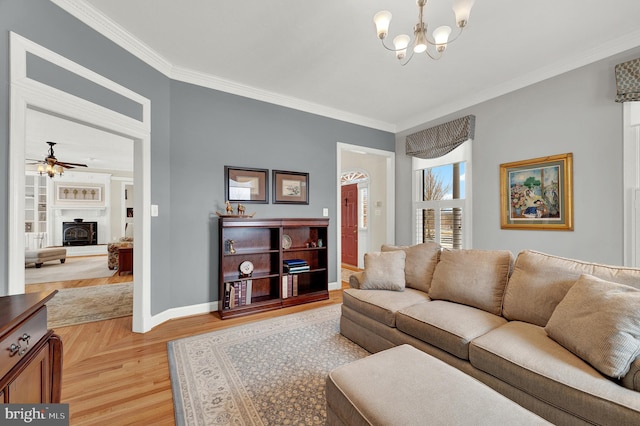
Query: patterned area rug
{"points": [[72, 306], [271, 372]]}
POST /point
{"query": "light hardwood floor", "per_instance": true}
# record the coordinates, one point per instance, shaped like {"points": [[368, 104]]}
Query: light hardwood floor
{"points": [[114, 376]]}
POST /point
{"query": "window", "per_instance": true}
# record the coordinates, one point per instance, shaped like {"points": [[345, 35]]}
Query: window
{"points": [[442, 202], [363, 193]]}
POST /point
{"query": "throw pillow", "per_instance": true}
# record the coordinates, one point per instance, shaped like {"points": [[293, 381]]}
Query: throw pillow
{"points": [[384, 271], [419, 265], [472, 277], [599, 321]]}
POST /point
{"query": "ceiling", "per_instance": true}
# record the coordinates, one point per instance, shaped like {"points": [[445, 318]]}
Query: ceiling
{"points": [[76, 143], [324, 56]]}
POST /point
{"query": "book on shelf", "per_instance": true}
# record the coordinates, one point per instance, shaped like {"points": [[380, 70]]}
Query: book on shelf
{"points": [[289, 286], [285, 286], [237, 293], [294, 266], [295, 262], [296, 270]]}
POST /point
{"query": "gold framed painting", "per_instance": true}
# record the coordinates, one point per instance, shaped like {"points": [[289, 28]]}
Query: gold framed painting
{"points": [[537, 193]]}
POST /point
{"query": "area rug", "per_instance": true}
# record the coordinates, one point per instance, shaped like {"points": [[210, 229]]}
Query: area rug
{"points": [[74, 268], [72, 306], [270, 372]]}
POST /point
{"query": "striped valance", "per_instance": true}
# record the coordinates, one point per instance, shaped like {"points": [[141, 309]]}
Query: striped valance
{"points": [[628, 81], [439, 140]]}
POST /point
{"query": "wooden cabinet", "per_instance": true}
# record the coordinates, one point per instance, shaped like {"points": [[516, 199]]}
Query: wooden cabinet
{"points": [[268, 244], [31, 355], [125, 260]]}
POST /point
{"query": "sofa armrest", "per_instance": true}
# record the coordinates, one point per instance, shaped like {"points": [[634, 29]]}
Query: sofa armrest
{"points": [[355, 280], [632, 379]]}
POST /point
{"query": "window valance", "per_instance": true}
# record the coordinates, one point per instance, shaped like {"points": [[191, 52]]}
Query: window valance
{"points": [[439, 140], [628, 81]]}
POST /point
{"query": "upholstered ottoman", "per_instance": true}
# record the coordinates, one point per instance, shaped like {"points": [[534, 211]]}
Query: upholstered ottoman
{"points": [[405, 386], [39, 256]]}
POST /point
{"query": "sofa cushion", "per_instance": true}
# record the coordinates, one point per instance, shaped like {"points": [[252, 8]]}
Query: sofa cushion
{"points": [[447, 325], [600, 322], [540, 281], [523, 356], [382, 305], [419, 264], [472, 277], [384, 271]]}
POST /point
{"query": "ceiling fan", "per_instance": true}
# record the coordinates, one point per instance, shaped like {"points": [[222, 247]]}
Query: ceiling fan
{"points": [[51, 165]]}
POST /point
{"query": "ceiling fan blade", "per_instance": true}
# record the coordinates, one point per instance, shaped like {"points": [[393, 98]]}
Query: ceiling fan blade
{"points": [[70, 165]]}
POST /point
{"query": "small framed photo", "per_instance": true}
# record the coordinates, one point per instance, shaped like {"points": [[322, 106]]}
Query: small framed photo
{"points": [[290, 187], [246, 185], [129, 211], [537, 193]]}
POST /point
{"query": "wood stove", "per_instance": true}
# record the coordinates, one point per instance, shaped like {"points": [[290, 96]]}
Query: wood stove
{"points": [[79, 233]]}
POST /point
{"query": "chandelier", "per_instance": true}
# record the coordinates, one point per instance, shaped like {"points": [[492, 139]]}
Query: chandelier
{"points": [[421, 40]]}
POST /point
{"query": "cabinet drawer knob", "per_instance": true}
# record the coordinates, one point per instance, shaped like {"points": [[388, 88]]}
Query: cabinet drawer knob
{"points": [[14, 348], [25, 337]]}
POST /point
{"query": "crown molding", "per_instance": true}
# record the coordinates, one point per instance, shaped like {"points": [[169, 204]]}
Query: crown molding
{"points": [[104, 25], [578, 60], [95, 19], [228, 86]]}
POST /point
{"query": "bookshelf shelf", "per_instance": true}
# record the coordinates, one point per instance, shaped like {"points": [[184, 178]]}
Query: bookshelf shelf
{"points": [[270, 286]]}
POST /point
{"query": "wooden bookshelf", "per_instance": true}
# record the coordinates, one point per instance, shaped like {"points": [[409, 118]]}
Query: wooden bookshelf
{"points": [[260, 241]]}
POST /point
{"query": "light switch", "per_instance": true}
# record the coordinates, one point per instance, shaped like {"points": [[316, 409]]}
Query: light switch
{"points": [[154, 210], [325, 212]]}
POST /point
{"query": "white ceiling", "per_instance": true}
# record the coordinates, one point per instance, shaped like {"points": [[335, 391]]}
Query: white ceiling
{"points": [[324, 56], [76, 143]]}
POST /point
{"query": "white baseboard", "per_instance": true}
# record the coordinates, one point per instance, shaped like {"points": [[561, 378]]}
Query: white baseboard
{"points": [[203, 308], [183, 311]]}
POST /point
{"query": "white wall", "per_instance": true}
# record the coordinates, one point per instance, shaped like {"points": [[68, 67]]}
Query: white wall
{"points": [[574, 112], [376, 167]]}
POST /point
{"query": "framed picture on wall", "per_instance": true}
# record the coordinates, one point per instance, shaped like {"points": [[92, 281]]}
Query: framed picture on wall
{"points": [[537, 193], [290, 187], [246, 185]]}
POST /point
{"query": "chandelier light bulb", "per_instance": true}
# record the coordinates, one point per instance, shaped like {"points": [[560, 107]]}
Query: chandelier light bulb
{"points": [[41, 169], [382, 20], [421, 40], [400, 43], [441, 36], [462, 9]]}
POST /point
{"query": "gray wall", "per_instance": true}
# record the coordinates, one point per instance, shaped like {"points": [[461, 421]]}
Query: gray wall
{"points": [[195, 132], [573, 112], [211, 129]]}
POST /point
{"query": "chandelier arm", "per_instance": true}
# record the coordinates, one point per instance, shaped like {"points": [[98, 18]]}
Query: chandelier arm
{"points": [[408, 59], [393, 49], [435, 58]]}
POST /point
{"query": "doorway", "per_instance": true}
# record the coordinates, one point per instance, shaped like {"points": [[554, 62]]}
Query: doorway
{"points": [[379, 165], [28, 94]]}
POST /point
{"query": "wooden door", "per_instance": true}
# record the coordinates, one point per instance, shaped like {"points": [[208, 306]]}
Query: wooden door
{"points": [[349, 214]]}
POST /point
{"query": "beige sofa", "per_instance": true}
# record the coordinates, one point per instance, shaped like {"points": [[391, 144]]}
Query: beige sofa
{"points": [[560, 337]]}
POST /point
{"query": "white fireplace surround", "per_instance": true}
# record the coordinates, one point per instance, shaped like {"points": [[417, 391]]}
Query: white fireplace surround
{"points": [[99, 211]]}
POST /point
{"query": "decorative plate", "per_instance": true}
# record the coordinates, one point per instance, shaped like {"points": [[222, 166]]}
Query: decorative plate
{"points": [[286, 241]]}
